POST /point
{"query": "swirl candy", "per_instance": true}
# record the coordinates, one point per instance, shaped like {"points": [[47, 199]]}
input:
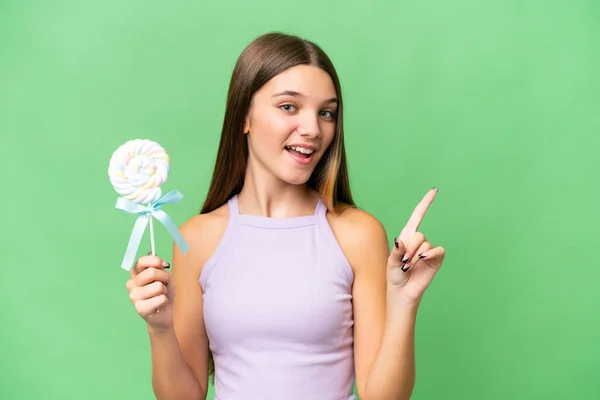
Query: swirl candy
{"points": [[137, 170]]}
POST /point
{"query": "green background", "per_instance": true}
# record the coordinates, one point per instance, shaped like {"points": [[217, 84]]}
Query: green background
{"points": [[495, 102]]}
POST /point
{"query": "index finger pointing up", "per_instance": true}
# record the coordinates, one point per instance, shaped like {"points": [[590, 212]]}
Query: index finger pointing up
{"points": [[417, 216]]}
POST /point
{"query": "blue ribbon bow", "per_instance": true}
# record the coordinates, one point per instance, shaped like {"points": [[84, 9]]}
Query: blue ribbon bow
{"points": [[144, 214]]}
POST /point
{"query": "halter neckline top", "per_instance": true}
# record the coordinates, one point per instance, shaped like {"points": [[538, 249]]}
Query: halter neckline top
{"points": [[278, 309]]}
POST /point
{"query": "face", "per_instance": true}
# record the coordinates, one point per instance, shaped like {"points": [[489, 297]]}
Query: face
{"points": [[291, 123]]}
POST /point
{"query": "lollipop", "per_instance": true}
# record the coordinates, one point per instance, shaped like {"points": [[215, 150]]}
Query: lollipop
{"points": [[137, 170]]}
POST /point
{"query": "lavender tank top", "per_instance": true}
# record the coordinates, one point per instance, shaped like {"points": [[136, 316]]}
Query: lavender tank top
{"points": [[278, 309]]}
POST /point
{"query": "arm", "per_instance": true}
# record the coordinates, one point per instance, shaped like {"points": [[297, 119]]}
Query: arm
{"points": [[386, 299], [393, 374], [172, 377], [180, 354], [383, 326]]}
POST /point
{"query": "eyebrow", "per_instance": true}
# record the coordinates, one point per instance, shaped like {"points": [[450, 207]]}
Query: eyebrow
{"points": [[298, 94]]}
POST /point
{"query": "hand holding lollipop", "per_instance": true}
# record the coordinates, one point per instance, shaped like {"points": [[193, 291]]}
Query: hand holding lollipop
{"points": [[137, 170]]}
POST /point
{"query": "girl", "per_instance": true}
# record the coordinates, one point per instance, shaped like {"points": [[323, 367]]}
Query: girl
{"points": [[288, 291]]}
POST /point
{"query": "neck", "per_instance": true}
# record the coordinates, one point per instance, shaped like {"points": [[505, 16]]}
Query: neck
{"points": [[265, 195]]}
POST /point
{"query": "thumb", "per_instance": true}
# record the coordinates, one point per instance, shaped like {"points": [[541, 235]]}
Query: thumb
{"points": [[170, 290], [395, 275], [398, 251]]}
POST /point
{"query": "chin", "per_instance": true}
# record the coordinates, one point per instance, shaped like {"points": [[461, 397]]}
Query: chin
{"points": [[296, 178], [295, 173]]}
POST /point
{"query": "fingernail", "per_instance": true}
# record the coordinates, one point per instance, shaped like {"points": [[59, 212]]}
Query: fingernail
{"points": [[405, 268], [436, 189], [396, 243], [422, 256], [166, 264], [406, 258]]}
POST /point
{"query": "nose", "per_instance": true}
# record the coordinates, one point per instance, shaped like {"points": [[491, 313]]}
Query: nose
{"points": [[309, 127]]}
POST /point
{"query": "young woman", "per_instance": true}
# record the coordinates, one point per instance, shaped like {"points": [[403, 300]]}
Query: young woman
{"points": [[288, 291]]}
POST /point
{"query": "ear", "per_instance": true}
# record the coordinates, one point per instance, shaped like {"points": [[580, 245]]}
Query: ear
{"points": [[246, 124]]}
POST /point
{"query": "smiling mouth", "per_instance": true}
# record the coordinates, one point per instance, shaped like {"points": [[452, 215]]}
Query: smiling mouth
{"points": [[300, 154], [300, 151]]}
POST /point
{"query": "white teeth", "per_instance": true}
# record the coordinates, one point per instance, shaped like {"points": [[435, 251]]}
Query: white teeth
{"points": [[302, 150]]}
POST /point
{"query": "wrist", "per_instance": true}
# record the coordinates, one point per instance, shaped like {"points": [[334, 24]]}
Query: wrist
{"points": [[162, 331], [398, 299]]}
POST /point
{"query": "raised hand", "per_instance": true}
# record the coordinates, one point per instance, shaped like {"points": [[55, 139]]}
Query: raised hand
{"points": [[151, 292], [414, 261]]}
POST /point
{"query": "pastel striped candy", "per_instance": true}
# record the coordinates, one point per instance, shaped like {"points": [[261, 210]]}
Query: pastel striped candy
{"points": [[137, 170]]}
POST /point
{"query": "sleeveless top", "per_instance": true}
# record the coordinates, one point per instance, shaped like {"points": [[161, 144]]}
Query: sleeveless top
{"points": [[278, 309]]}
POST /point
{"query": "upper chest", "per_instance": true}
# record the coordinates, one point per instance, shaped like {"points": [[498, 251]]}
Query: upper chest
{"points": [[289, 282]]}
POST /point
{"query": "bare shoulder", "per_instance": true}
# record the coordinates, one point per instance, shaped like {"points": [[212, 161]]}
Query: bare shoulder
{"points": [[202, 233], [358, 233], [350, 217]]}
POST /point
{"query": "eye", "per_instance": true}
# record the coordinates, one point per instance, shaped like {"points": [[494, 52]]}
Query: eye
{"points": [[287, 107], [329, 114]]}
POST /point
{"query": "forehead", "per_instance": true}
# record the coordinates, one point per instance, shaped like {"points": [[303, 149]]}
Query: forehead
{"points": [[311, 81]]}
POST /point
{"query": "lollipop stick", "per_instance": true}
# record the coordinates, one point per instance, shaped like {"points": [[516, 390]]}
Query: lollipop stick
{"points": [[152, 234]]}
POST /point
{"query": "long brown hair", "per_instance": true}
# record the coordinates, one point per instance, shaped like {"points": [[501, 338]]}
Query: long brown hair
{"points": [[264, 58]]}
